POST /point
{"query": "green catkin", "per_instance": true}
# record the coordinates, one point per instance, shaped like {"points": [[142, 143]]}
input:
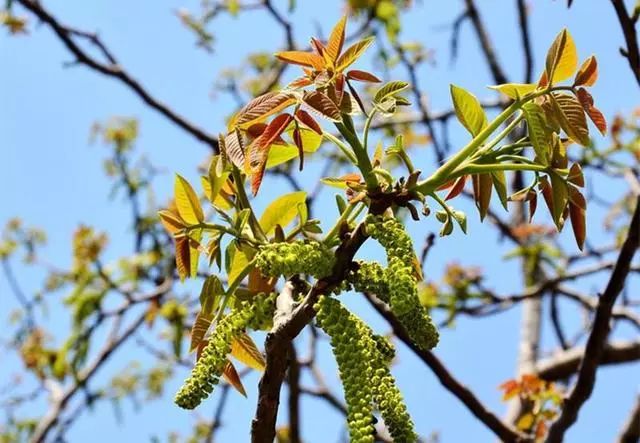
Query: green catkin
{"points": [[352, 345], [401, 283], [209, 367], [370, 277], [298, 257], [387, 396]]}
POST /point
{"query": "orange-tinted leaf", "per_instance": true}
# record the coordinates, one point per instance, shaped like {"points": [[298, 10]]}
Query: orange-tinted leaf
{"points": [[541, 428], [171, 221], [445, 185], [586, 100], [344, 181], [485, 188], [300, 82], [318, 47], [533, 205], [258, 283], [511, 388], [560, 199], [263, 106], [199, 330], [260, 148], [576, 198], [183, 257], [362, 76], [352, 53], [245, 351], [457, 188], [323, 105], [588, 73], [301, 58], [233, 378], [305, 118], [336, 39], [575, 175], [545, 188]]}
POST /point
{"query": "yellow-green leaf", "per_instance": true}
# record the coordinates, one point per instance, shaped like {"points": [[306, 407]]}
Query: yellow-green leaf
{"points": [[171, 221], [352, 53], [562, 58], [539, 134], [515, 90], [282, 211], [468, 110], [187, 202], [389, 90], [245, 351], [238, 265], [500, 184]]}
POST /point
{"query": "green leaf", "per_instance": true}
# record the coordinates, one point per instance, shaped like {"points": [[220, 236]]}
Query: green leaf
{"points": [[218, 175], [468, 110], [282, 211], [539, 133], [500, 184], [187, 202], [515, 90], [239, 263], [389, 90]]}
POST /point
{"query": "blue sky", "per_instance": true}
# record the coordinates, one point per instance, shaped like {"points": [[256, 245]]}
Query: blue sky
{"points": [[51, 176]]}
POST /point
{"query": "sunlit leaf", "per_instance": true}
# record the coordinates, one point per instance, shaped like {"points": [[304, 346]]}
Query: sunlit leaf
{"points": [[352, 53], [183, 257], [303, 117], [231, 376], [562, 58], [199, 329], [342, 182], [389, 90], [301, 58], [515, 90], [245, 351], [457, 188], [588, 73], [239, 262], [483, 187], [187, 202], [560, 199], [233, 148], [500, 184], [336, 39], [260, 148], [577, 215], [171, 221], [575, 175], [468, 110], [264, 106], [281, 211]]}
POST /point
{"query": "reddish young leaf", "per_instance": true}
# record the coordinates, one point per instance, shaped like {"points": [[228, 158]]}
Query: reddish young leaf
{"points": [[576, 198], [339, 89], [588, 73], [533, 205], [231, 376], [445, 185], [233, 148], [355, 96], [570, 115], [305, 118], [300, 82], [575, 175], [301, 58], [457, 188], [362, 76], [171, 221], [586, 100], [263, 106], [297, 139], [260, 148], [485, 188], [183, 257], [323, 105], [336, 39], [545, 188], [317, 46], [256, 129]]}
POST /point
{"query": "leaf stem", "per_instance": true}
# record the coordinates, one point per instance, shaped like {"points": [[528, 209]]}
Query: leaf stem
{"points": [[343, 147], [243, 200]]}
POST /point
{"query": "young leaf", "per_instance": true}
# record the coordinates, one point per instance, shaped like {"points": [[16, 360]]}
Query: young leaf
{"points": [[239, 262], [261, 146], [194, 251], [457, 188], [305, 118], [323, 105], [483, 199], [577, 215], [183, 257], [468, 110], [217, 177], [264, 106], [187, 202], [586, 100], [171, 221], [231, 376], [515, 90], [576, 176], [342, 182], [352, 53], [199, 329], [560, 199], [336, 39], [562, 58], [245, 351], [281, 211], [538, 131], [233, 148], [362, 76], [588, 73], [297, 138], [570, 115], [389, 90], [308, 59]]}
